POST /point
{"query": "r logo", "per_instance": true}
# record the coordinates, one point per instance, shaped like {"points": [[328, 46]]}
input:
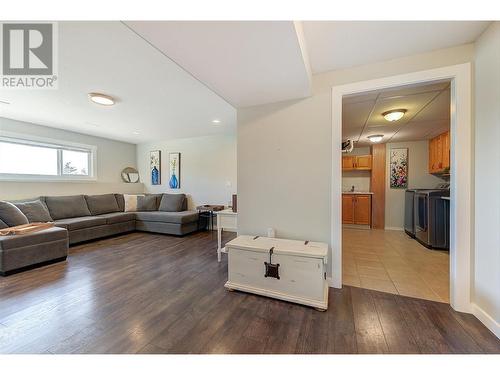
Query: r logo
{"points": [[27, 49]]}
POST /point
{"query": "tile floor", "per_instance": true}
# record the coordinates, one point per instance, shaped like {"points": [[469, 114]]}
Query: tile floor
{"points": [[390, 261]]}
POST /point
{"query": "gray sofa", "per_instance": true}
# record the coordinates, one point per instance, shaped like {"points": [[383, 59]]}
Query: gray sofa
{"points": [[80, 218], [19, 253]]}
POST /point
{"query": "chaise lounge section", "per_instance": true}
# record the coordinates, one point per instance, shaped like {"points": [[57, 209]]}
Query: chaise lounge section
{"points": [[79, 218]]}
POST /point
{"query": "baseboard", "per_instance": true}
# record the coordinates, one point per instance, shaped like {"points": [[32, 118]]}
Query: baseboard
{"points": [[486, 319], [394, 228], [329, 280]]}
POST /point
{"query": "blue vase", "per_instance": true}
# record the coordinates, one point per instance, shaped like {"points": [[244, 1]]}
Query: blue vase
{"points": [[174, 182], [155, 176]]}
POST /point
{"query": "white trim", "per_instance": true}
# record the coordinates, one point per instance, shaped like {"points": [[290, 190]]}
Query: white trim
{"points": [[329, 280], [486, 319], [29, 139], [461, 177], [394, 228]]}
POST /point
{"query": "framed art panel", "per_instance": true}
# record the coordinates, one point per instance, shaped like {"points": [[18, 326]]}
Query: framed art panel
{"points": [[399, 168], [174, 180], [155, 167]]}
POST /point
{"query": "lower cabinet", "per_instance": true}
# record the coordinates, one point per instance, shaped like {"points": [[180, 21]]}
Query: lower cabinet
{"points": [[356, 209]]}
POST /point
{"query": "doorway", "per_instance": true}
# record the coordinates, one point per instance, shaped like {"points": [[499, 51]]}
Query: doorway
{"points": [[395, 191], [459, 77]]}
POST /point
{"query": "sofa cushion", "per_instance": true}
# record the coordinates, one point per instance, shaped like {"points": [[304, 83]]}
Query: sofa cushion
{"points": [[67, 206], [121, 202], [11, 215], [35, 211], [75, 223], [146, 203], [118, 217], [172, 202], [35, 238], [182, 217], [157, 199], [102, 204]]}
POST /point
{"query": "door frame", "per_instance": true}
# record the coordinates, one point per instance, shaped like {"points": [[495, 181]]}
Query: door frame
{"points": [[461, 159]]}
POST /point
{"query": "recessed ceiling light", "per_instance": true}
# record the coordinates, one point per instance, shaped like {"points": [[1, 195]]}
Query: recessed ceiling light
{"points": [[101, 99], [394, 114], [375, 138], [136, 133], [215, 121]]}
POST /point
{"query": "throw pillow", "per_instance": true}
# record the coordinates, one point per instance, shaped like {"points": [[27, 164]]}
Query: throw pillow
{"points": [[172, 202], [130, 201], [11, 215], [34, 211]]}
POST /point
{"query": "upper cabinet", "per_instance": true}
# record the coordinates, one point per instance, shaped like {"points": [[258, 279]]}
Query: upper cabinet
{"points": [[348, 163], [357, 163], [439, 154]]}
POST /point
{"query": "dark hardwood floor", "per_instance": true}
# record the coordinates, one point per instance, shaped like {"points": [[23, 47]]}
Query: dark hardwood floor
{"points": [[147, 293]]}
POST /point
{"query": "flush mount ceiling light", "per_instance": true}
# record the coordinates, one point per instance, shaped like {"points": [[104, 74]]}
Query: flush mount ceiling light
{"points": [[375, 138], [394, 114], [215, 121], [101, 99], [136, 132]]}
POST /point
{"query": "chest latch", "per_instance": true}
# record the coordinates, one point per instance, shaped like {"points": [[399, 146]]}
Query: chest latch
{"points": [[272, 270]]}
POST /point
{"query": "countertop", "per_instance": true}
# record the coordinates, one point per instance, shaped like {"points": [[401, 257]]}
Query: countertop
{"points": [[447, 198], [357, 192]]}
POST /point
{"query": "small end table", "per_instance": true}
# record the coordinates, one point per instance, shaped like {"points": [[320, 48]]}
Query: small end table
{"points": [[207, 211], [226, 219]]}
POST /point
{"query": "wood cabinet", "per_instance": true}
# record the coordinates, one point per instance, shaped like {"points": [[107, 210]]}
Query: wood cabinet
{"points": [[357, 163], [439, 154], [347, 209], [348, 163], [356, 209], [362, 209]]}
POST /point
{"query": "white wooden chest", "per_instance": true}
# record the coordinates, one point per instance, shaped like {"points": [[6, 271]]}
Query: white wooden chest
{"points": [[301, 271]]}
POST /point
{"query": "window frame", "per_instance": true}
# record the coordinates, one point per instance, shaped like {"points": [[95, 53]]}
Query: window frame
{"points": [[60, 146]]}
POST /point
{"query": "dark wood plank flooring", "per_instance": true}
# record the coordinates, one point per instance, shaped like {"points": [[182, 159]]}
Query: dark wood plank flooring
{"points": [[148, 293]]}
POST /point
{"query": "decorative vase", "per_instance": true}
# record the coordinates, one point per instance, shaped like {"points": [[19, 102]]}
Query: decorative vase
{"points": [[155, 176], [173, 183]]}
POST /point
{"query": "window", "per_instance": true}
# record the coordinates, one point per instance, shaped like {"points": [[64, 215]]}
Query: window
{"points": [[30, 159], [75, 162]]}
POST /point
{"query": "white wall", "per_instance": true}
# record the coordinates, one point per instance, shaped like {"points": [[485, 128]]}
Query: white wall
{"points": [[208, 168], [418, 177], [112, 157], [487, 177], [284, 151]]}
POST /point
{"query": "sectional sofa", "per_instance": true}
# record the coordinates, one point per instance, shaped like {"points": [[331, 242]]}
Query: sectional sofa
{"points": [[79, 218]]}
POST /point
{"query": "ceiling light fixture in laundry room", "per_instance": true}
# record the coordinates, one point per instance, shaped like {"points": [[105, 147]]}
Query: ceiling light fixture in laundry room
{"points": [[394, 114]]}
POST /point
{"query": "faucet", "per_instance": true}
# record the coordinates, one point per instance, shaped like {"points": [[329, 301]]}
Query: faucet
{"points": [[352, 188]]}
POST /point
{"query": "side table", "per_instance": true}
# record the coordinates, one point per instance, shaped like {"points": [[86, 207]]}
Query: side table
{"points": [[226, 219], [207, 211]]}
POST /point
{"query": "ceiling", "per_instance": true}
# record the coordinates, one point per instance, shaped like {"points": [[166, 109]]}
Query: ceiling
{"points": [[428, 113], [335, 45], [156, 98], [172, 78], [246, 62]]}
